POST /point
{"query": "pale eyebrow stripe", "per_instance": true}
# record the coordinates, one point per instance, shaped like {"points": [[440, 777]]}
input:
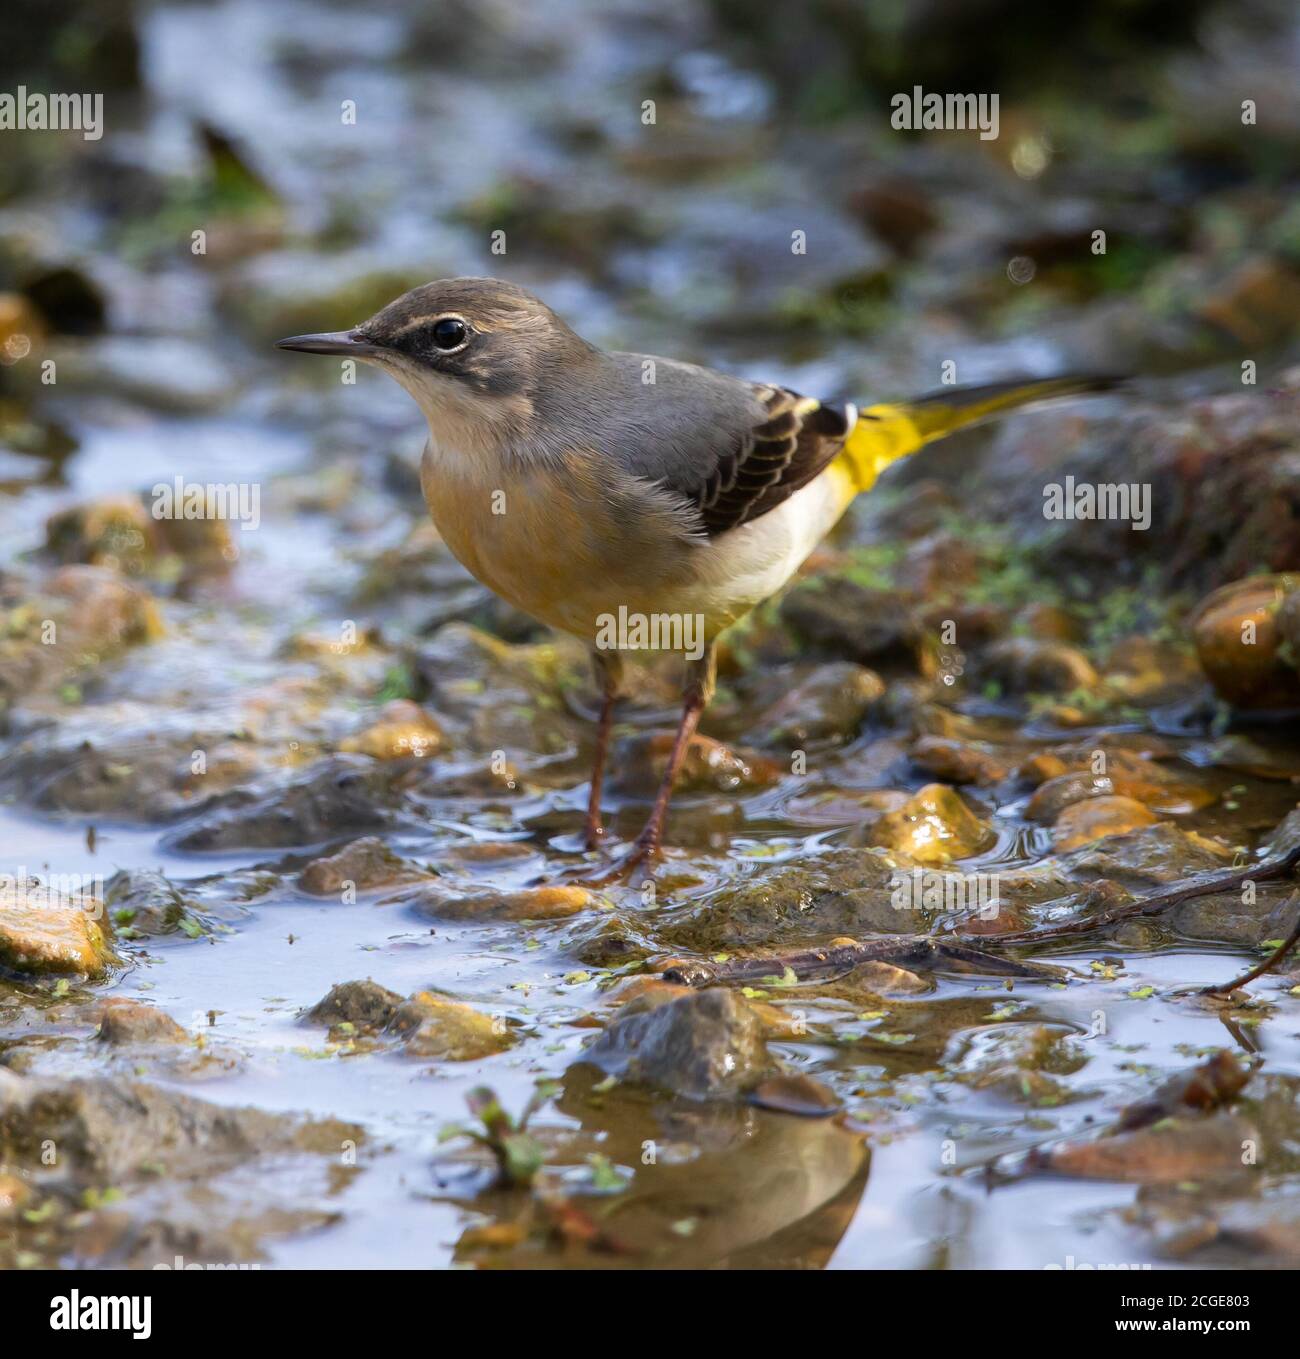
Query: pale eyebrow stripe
{"points": [[432, 316], [485, 326]]}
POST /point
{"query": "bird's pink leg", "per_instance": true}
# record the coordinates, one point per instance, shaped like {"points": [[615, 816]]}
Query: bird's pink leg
{"points": [[646, 845], [609, 671], [593, 831], [697, 693]]}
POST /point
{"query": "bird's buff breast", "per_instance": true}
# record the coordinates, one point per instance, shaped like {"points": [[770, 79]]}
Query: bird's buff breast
{"points": [[544, 541], [554, 544]]}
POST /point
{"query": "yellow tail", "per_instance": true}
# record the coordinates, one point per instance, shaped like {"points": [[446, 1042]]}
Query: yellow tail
{"points": [[885, 433]]}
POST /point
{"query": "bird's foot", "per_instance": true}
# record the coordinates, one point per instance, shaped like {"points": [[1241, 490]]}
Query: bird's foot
{"points": [[631, 867], [635, 865]]}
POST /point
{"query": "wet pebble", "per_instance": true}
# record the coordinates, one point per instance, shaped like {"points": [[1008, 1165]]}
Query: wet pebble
{"points": [[1021, 1062], [45, 933], [123, 1022], [706, 1044], [363, 1003], [1082, 823], [839, 617], [957, 762], [364, 864], [342, 794], [402, 731], [829, 705], [527, 903], [798, 1094], [934, 826], [1027, 665], [1239, 641], [448, 1030], [639, 764], [1175, 1150]]}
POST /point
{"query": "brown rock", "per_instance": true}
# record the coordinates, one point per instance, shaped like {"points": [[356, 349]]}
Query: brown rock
{"points": [[1258, 304], [933, 826], [954, 761], [363, 1003], [365, 863], [708, 765], [106, 1130], [1025, 665], [707, 1044], [204, 545], [1126, 775], [437, 1027], [1238, 642], [43, 932], [884, 979], [1083, 822], [827, 706], [1215, 1082], [123, 1021], [527, 903], [1002, 919], [1043, 766], [21, 325], [1019, 1061], [121, 534], [655, 989], [1050, 623], [837, 616], [899, 212], [403, 731], [492, 853], [115, 532], [14, 1196], [796, 1093], [105, 608], [1175, 1150], [85, 615], [1053, 797], [941, 560]]}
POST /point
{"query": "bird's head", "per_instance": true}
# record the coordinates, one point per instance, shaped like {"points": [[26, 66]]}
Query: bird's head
{"points": [[469, 350]]}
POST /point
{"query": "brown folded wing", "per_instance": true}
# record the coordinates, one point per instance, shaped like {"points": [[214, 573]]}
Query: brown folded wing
{"points": [[796, 441]]}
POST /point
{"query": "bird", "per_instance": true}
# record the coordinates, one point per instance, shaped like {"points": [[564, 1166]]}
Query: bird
{"points": [[638, 503]]}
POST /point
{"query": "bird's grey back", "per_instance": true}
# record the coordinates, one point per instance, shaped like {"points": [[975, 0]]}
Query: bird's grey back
{"points": [[659, 419]]}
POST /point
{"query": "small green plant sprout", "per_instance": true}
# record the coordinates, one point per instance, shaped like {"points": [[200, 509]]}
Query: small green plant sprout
{"points": [[518, 1155]]}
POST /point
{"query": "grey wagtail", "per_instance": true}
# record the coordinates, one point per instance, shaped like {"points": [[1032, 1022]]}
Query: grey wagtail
{"points": [[585, 486]]}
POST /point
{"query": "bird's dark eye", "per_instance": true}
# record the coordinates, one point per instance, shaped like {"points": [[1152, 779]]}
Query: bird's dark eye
{"points": [[449, 333]]}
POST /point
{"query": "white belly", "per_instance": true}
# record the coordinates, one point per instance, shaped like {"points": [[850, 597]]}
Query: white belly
{"points": [[744, 566]]}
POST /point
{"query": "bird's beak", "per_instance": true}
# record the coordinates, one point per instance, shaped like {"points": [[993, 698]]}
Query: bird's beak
{"points": [[347, 342]]}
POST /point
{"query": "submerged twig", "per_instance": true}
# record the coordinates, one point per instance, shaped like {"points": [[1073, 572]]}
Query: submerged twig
{"points": [[1156, 902], [1267, 965], [907, 950], [923, 950]]}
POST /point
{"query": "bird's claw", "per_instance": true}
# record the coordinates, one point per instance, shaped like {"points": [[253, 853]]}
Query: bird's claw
{"points": [[631, 867]]}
